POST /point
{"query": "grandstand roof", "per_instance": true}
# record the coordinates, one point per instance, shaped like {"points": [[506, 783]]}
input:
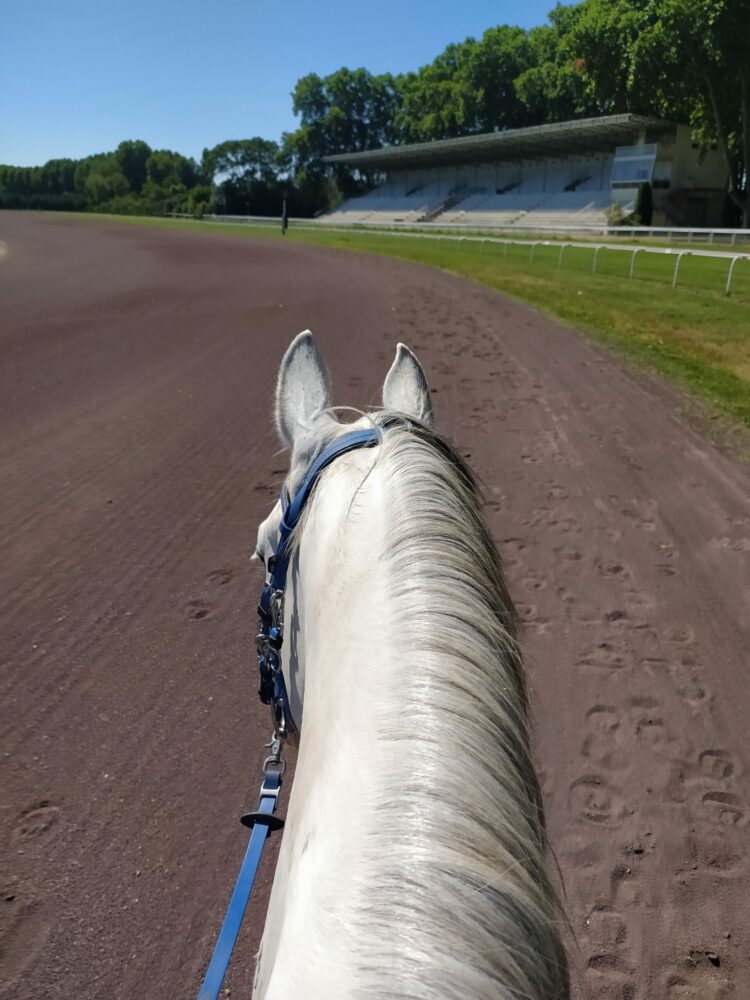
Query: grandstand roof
{"points": [[557, 139]]}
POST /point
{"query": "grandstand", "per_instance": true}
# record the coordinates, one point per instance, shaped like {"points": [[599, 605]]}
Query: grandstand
{"points": [[559, 175]]}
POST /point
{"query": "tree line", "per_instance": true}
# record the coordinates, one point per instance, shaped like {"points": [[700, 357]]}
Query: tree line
{"points": [[237, 177], [681, 60]]}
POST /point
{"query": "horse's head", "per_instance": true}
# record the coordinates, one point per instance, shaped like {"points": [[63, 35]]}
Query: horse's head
{"points": [[307, 424], [399, 641]]}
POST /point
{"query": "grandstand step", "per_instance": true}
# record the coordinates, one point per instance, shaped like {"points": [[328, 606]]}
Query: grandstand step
{"points": [[444, 206]]}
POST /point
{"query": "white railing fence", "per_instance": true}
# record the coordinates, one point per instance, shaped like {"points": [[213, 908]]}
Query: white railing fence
{"points": [[663, 234], [411, 232]]}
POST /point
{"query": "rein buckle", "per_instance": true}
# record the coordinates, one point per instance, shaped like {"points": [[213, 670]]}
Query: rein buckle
{"points": [[276, 631]]}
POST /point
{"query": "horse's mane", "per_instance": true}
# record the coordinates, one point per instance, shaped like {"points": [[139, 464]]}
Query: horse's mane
{"points": [[462, 906], [452, 899]]}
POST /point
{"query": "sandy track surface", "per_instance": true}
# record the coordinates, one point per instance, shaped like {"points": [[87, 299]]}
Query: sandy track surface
{"points": [[137, 456]]}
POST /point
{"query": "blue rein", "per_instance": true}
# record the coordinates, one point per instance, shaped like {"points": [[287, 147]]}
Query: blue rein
{"points": [[272, 692]]}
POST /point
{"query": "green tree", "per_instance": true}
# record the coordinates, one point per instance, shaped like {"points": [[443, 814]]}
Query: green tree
{"points": [[602, 35], [102, 187], [554, 88], [709, 42], [470, 87], [246, 174], [56, 177], [165, 168], [131, 157], [686, 60], [242, 159], [347, 110]]}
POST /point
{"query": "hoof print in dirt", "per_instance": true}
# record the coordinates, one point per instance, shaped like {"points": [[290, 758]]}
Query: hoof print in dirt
{"points": [[196, 611]]}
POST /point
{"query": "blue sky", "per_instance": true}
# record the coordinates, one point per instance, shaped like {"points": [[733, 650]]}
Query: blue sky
{"points": [[79, 76]]}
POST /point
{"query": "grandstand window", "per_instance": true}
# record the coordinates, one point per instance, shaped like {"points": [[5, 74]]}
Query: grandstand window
{"points": [[633, 165], [632, 171]]}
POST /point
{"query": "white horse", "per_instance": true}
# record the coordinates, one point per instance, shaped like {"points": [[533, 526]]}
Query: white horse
{"points": [[413, 858]]}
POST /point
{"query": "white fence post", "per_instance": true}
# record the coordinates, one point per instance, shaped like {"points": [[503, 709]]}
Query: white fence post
{"points": [[562, 250], [680, 255], [596, 254], [632, 262], [732, 266]]}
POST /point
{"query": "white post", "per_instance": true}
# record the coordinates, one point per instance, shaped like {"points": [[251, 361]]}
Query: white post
{"points": [[531, 251], [680, 255], [632, 262], [560, 258], [732, 266], [596, 254]]}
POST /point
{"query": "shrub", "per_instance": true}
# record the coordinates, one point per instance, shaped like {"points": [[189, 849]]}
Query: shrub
{"points": [[614, 214]]}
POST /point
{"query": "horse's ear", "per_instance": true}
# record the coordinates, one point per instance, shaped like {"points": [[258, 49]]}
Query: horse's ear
{"points": [[406, 390], [303, 387]]}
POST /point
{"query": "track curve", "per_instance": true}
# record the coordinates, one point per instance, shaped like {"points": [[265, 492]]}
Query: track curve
{"points": [[137, 456]]}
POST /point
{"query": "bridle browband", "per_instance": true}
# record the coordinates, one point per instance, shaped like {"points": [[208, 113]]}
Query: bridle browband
{"points": [[273, 692], [272, 688]]}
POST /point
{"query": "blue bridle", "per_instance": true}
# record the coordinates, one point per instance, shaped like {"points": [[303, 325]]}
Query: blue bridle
{"points": [[291, 510], [272, 689], [272, 692]]}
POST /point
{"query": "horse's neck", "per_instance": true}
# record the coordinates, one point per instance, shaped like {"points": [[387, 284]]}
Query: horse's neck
{"points": [[344, 641], [414, 840]]}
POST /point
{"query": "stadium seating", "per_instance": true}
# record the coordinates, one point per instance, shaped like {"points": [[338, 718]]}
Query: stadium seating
{"points": [[552, 194], [570, 208], [378, 207], [491, 209]]}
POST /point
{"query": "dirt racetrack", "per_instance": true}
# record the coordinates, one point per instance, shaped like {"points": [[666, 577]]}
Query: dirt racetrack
{"points": [[138, 455]]}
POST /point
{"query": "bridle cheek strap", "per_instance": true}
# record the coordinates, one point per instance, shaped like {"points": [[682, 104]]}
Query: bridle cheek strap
{"points": [[272, 689], [291, 510]]}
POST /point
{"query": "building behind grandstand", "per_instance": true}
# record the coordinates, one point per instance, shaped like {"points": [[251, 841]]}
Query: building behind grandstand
{"points": [[566, 174]]}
